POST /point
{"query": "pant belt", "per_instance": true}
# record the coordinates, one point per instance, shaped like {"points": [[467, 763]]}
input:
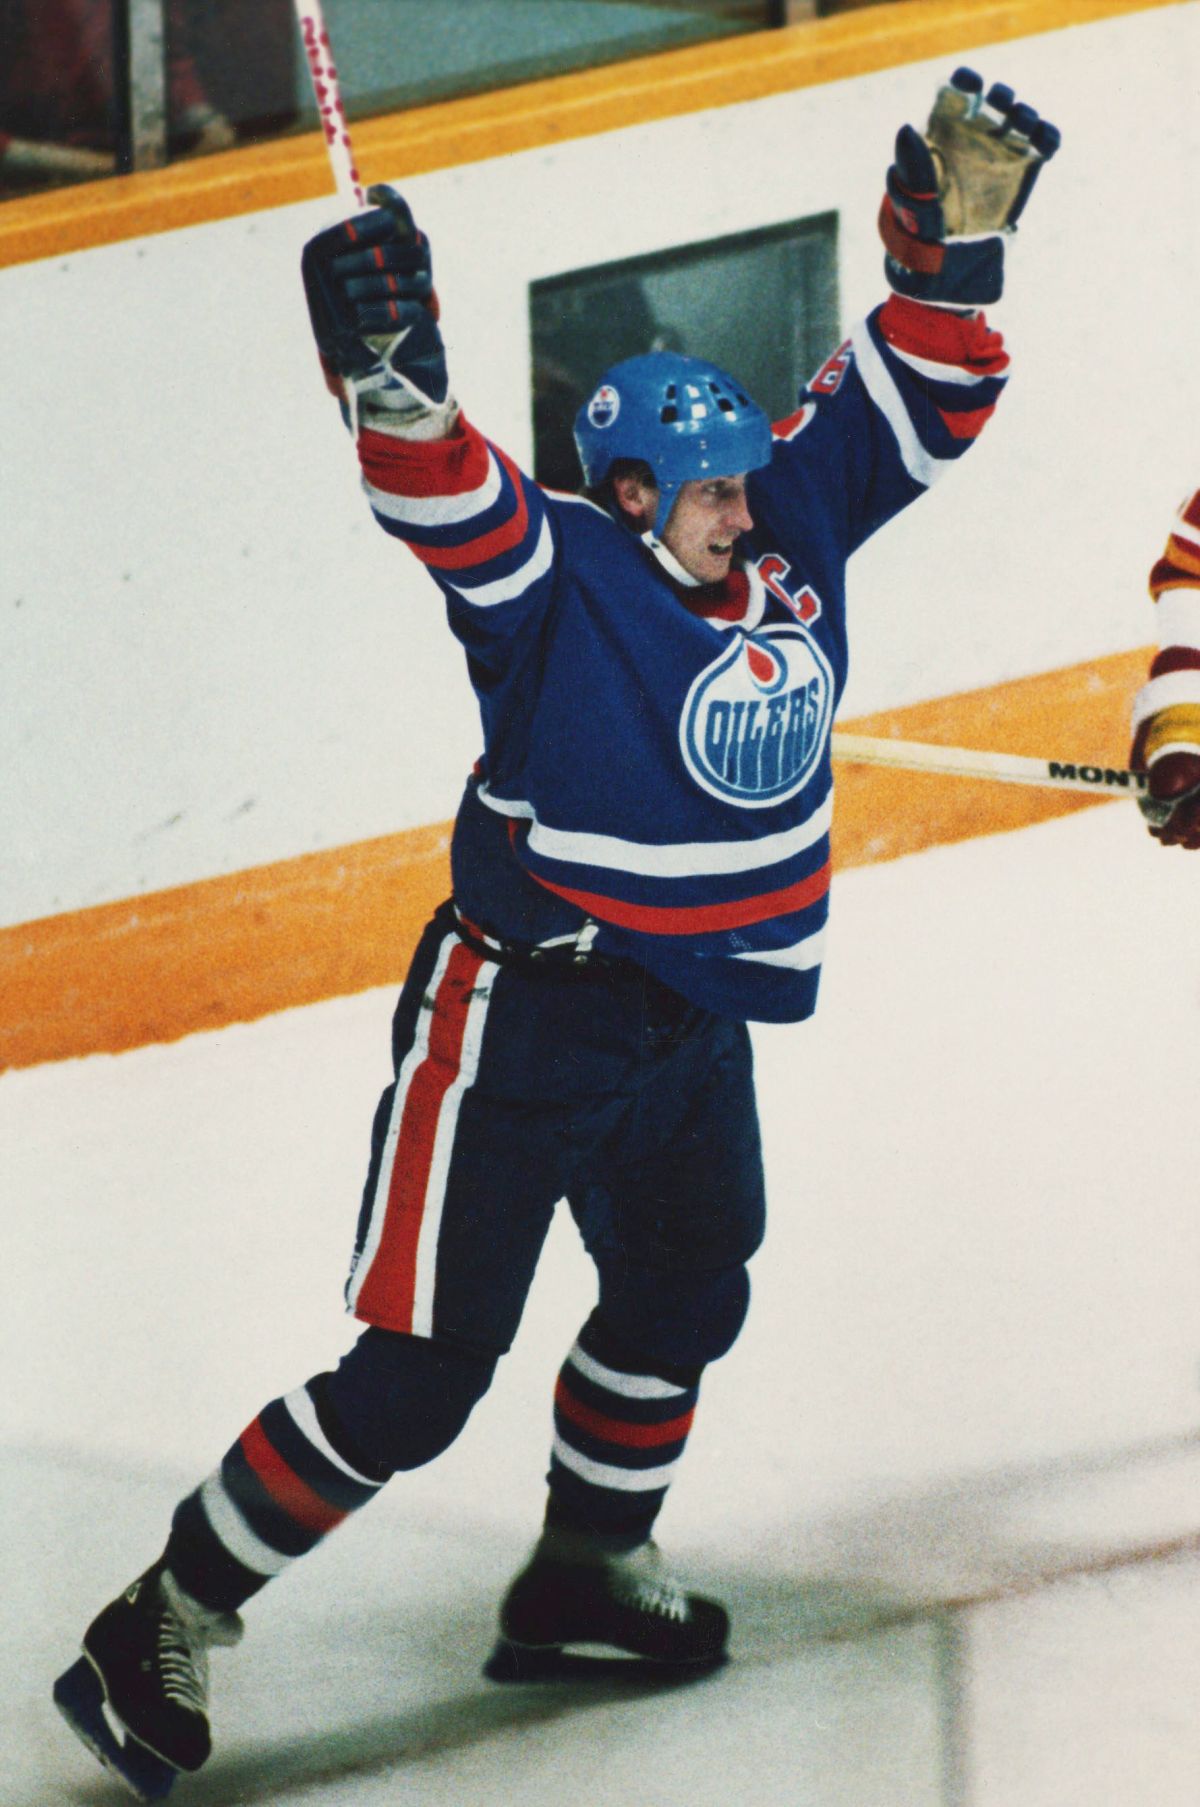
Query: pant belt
{"points": [[560, 955]]}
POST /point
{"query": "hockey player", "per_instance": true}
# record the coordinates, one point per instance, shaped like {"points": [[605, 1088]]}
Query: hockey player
{"points": [[640, 865], [1166, 714]]}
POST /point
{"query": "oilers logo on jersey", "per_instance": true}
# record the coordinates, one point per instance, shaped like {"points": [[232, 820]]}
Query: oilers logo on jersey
{"points": [[755, 721]]}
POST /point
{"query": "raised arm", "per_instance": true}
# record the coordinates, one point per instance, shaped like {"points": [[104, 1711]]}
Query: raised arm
{"points": [[476, 522], [912, 388]]}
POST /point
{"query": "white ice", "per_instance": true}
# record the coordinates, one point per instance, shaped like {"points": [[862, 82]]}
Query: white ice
{"points": [[949, 1480]]}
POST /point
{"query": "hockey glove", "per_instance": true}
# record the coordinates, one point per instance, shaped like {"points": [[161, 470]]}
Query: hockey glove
{"points": [[955, 195], [371, 300], [1171, 805]]}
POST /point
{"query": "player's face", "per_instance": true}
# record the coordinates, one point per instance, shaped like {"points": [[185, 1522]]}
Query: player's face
{"points": [[706, 520]]}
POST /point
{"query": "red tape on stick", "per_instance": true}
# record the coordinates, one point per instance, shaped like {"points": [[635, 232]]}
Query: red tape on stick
{"points": [[327, 93]]}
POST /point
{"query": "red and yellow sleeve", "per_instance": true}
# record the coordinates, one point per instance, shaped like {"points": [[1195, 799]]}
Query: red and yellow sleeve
{"points": [[1166, 716]]}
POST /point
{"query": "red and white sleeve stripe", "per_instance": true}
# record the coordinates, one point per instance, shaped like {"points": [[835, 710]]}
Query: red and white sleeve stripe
{"points": [[462, 506], [934, 376]]}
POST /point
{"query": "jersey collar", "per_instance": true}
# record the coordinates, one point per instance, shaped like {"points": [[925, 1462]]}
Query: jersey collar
{"points": [[738, 601]]}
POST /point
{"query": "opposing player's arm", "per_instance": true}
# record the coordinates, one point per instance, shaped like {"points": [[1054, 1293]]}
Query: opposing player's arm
{"points": [[477, 523], [1166, 712], [917, 381]]}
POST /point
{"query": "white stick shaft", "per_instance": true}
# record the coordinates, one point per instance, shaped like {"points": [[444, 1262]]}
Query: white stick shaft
{"points": [[1007, 768], [328, 95]]}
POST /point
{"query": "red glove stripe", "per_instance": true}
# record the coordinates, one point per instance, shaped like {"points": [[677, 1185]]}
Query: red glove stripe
{"points": [[916, 194], [912, 253], [333, 381]]}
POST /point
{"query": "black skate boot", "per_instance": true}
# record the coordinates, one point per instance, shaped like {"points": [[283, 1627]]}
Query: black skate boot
{"points": [[573, 1592], [145, 1664]]}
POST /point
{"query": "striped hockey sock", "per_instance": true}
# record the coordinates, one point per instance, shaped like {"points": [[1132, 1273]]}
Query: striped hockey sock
{"points": [[619, 1435], [280, 1489]]}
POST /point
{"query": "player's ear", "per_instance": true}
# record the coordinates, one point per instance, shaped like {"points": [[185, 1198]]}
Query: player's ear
{"points": [[637, 496]]}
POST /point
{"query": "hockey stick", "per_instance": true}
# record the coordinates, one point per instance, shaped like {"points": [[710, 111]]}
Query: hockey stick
{"points": [[327, 93], [1007, 768]]}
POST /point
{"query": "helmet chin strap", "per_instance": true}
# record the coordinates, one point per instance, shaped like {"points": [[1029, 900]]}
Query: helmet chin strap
{"points": [[668, 560], [756, 595], [667, 494]]}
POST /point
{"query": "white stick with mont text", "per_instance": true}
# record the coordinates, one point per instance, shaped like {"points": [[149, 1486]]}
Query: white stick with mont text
{"points": [[1007, 768]]}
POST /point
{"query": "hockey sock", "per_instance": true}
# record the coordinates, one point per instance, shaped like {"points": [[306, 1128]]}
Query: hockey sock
{"points": [[284, 1484], [316, 1455], [619, 1434]]}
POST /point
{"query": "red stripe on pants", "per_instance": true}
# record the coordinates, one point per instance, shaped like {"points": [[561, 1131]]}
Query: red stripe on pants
{"points": [[386, 1297]]}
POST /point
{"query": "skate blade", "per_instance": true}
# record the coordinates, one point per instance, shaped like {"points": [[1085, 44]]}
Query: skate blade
{"points": [[511, 1662], [79, 1697]]}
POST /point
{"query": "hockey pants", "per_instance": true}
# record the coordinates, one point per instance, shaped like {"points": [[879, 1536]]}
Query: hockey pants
{"points": [[514, 1089]]}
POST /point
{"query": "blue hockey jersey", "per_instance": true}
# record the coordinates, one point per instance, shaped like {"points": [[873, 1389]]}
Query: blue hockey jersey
{"points": [[656, 757]]}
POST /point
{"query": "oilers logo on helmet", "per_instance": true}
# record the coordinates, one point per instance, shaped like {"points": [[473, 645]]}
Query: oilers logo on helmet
{"points": [[604, 406], [756, 720]]}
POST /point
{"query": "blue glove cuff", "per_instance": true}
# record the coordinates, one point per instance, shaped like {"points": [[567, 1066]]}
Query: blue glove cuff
{"points": [[971, 274]]}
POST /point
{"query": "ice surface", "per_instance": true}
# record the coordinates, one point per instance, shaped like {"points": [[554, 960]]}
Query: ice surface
{"points": [[949, 1480]]}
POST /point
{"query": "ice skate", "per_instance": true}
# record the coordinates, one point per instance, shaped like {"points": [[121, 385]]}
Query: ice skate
{"points": [[576, 1611], [138, 1696]]}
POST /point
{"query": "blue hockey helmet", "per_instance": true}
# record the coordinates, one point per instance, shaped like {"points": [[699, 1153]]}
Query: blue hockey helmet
{"points": [[682, 416]]}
